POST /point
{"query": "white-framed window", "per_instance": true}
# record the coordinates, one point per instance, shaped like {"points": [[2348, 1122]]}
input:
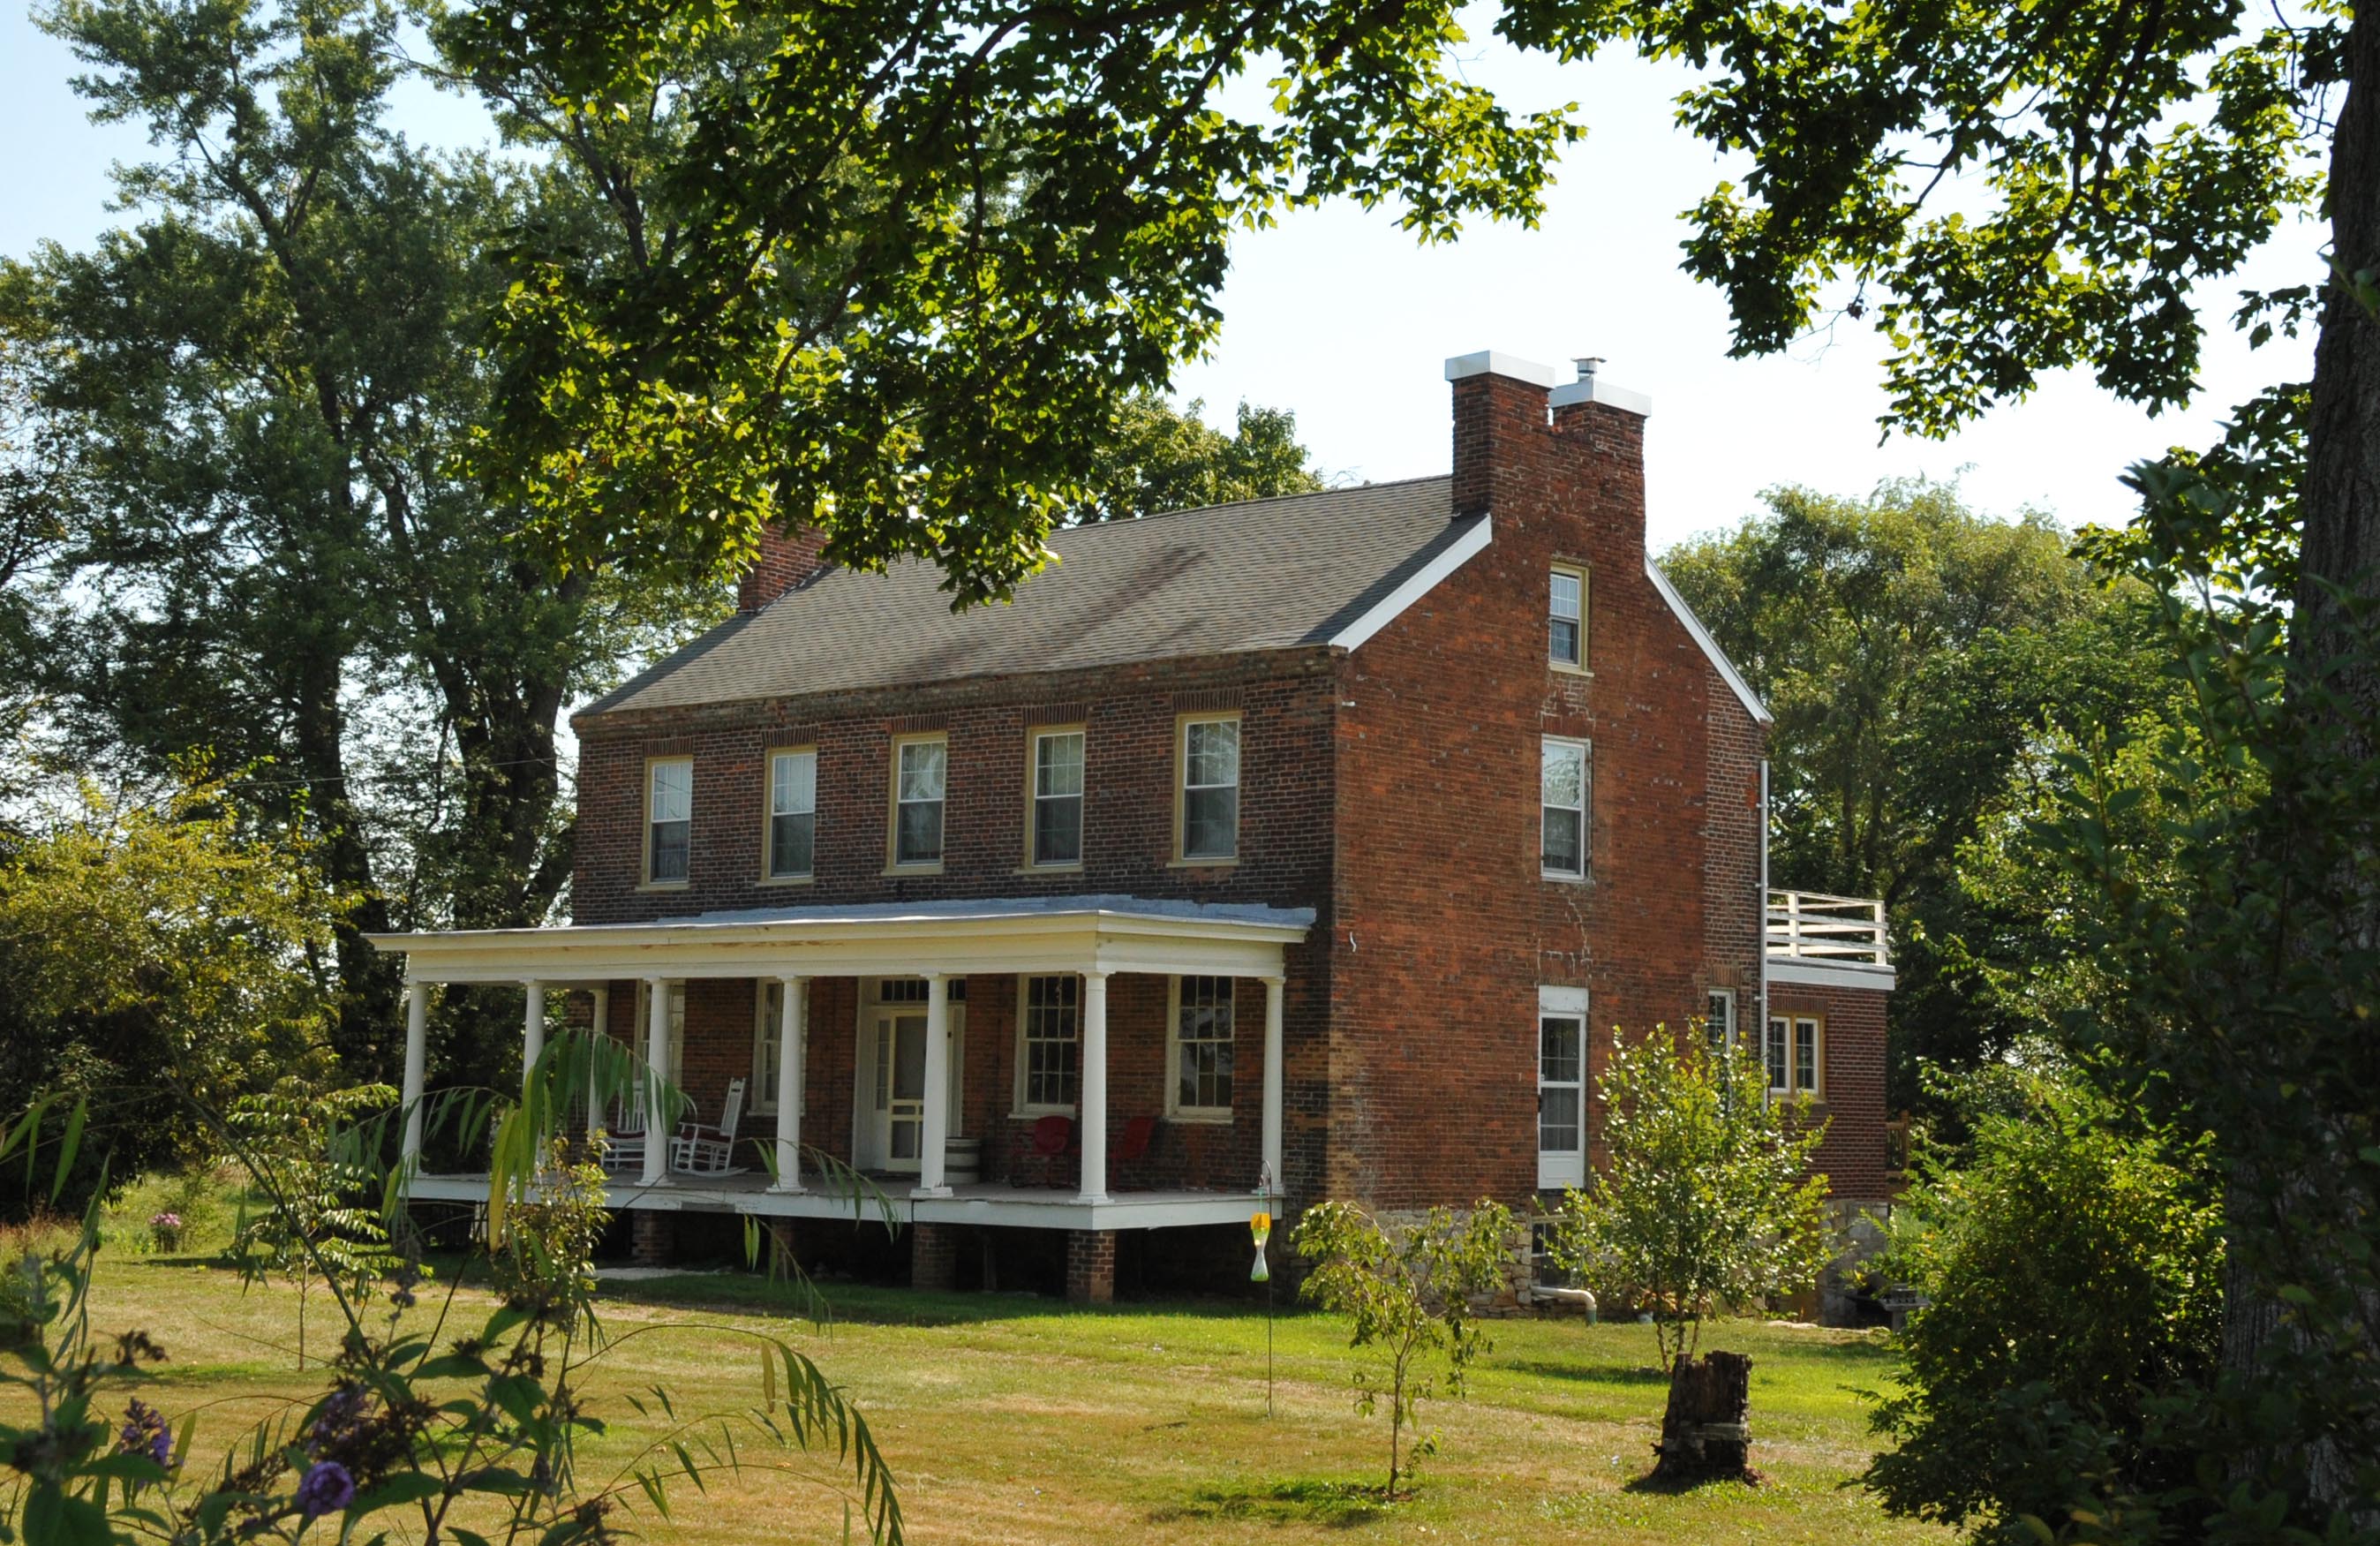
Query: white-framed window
{"points": [[1566, 617], [1566, 770], [916, 990], [1795, 1054], [1048, 1043], [1719, 1022], [1562, 1087], [1054, 831], [1207, 810], [768, 1008], [1198, 1050], [669, 819], [792, 814], [921, 777]]}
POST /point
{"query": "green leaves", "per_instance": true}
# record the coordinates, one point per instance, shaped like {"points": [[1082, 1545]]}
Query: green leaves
{"points": [[1707, 1202]]}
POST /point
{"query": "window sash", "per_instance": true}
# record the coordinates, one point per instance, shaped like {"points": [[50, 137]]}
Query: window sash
{"points": [[1561, 1084], [1562, 785], [1563, 617], [1718, 1021], [1805, 1056], [1058, 797], [917, 803], [1202, 1044], [1775, 1054], [669, 824], [792, 814], [1052, 1063], [1210, 789]]}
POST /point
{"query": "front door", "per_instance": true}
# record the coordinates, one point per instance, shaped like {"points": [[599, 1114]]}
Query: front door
{"points": [[897, 1120]]}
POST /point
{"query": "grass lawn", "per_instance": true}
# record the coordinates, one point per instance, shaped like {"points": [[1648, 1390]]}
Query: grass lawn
{"points": [[1014, 1419]]}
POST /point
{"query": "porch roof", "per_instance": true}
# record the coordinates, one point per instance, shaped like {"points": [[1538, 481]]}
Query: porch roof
{"points": [[1093, 933]]}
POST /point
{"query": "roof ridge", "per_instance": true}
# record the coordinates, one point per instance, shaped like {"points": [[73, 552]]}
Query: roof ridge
{"points": [[1128, 522]]}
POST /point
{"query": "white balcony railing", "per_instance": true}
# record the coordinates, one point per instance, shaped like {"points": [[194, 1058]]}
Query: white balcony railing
{"points": [[1815, 927]]}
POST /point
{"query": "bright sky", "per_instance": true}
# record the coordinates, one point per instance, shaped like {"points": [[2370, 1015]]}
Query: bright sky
{"points": [[1342, 318]]}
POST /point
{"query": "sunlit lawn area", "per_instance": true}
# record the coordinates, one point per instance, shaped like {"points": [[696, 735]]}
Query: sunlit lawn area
{"points": [[1010, 1418]]}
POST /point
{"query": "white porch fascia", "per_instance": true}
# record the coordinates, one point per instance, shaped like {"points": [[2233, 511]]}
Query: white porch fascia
{"points": [[1016, 1208], [1036, 935]]}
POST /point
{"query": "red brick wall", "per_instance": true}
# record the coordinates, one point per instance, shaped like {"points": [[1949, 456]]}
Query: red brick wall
{"points": [[1853, 1155], [1446, 928]]}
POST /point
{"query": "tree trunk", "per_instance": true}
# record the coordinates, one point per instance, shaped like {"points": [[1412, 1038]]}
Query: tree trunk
{"points": [[1707, 1432]]}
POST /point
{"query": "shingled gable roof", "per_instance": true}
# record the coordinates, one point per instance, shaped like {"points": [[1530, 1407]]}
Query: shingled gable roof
{"points": [[1267, 575]]}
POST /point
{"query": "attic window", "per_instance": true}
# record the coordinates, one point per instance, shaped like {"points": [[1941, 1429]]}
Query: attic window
{"points": [[1566, 617]]}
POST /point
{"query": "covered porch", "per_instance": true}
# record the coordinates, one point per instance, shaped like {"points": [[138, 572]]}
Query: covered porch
{"points": [[865, 1009]]}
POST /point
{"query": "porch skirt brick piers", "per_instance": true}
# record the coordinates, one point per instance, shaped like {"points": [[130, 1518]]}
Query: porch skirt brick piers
{"points": [[1090, 1266], [651, 1240], [933, 1255]]}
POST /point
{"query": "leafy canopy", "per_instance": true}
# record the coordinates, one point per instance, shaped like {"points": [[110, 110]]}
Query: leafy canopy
{"points": [[1708, 1203], [894, 270]]}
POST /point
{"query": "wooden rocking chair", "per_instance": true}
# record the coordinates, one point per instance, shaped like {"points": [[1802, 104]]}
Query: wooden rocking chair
{"points": [[700, 1151]]}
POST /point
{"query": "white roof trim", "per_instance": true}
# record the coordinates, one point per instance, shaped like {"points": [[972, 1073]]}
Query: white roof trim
{"points": [[1829, 974], [1717, 657], [1423, 580]]}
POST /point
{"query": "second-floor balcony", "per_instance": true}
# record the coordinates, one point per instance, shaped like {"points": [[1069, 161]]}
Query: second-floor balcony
{"points": [[1840, 930]]}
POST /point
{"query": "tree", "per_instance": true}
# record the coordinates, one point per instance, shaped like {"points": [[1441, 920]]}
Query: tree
{"points": [[323, 1219], [1707, 1202], [1917, 655], [2030, 1380], [1161, 460], [133, 940], [1408, 1287], [896, 273], [253, 397]]}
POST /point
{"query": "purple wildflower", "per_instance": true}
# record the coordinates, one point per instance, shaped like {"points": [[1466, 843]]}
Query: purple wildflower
{"points": [[326, 1489], [335, 1419], [144, 1433]]}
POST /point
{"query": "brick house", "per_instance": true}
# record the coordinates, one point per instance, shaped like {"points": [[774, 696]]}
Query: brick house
{"points": [[1300, 849]]}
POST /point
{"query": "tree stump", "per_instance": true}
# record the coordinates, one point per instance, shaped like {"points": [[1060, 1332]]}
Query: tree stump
{"points": [[1707, 1432]]}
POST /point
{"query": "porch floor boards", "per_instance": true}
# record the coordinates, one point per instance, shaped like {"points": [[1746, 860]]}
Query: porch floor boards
{"points": [[988, 1203]]}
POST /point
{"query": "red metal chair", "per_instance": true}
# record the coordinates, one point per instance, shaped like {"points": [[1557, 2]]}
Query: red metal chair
{"points": [[1132, 1144], [1052, 1139]]}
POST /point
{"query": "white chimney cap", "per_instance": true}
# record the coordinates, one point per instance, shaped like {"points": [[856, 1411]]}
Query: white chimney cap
{"points": [[1591, 387]]}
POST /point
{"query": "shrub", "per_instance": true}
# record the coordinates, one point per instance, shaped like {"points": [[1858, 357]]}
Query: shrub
{"points": [[2075, 1269]]}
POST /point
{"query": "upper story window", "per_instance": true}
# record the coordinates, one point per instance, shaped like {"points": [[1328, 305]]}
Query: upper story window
{"points": [[669, 819], [1207, 816], [1200, 1048], [921, 774], [1566, 619], [1054, 834], [792, 814], [1794, 1054], [1565, 772]]}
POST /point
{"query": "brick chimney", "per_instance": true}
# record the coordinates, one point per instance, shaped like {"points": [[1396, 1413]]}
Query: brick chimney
{"points": [[1521, 433], [785, 562]]}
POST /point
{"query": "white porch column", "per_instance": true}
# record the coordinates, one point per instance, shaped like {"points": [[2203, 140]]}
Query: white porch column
{"points": [[789, 1085], [532, 1029], [1270, 1181], [599, 1032], [417, 1057], [1095, 1087], [657, 1063], [934, 1138]]}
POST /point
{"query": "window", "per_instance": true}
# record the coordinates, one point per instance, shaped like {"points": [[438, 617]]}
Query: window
{"points": [[1719, 1022], [768, 1009], [920, 770], [1202, 1047], [1209, 815], [1564, 773], [632, 1100], [1050, 1037], [1562, 1087], [1566, 619], [669, 819], [916, 990], [1056, 817], [1794, 1054], [792, 814]]}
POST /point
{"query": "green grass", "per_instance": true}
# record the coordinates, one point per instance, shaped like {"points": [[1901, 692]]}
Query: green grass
{"points": [[1009, 1419]]}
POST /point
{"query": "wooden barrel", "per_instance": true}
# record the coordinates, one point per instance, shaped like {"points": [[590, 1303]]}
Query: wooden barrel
{"points": [[961, 1162]]}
